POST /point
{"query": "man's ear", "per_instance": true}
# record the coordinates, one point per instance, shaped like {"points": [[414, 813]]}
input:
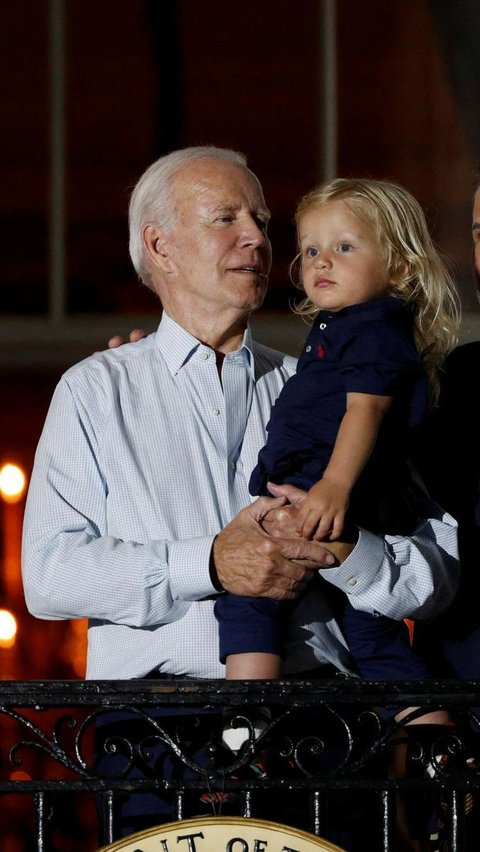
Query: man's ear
{"points": [[157, 247]]}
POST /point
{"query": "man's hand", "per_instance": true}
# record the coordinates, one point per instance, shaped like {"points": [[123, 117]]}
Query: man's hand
{"points": [[135, 335], [282, 522], [248, 561]]}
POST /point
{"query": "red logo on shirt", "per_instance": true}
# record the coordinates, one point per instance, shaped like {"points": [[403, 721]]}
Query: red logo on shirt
{"points": [[320, 351]]}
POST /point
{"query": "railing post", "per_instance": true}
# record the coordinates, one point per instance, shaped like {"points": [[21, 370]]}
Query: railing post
{"points": [[455, 819], [108, 821], [43, 815], [389, 800], [317, 805]]}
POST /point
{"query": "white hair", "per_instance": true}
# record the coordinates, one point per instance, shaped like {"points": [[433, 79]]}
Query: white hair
{"points": [[152, 199]]}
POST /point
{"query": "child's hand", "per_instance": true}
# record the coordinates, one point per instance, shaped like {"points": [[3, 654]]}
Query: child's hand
{"points": [[322, 513]]}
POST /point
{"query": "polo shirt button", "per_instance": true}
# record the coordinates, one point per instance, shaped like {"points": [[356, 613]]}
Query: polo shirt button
{"points": [[322, 325], [308, 349]]}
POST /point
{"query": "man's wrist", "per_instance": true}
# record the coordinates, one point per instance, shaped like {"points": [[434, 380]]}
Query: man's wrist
{"points": [[214, 578], [342, 549]]}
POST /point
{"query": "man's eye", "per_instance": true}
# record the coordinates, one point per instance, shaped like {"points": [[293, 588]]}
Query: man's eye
{"points": [[226, 218], [344, 248], [262, 224]]}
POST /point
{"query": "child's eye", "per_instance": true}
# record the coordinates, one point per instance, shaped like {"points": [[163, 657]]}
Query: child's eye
{"points": [[311, 252], [344, 248]]}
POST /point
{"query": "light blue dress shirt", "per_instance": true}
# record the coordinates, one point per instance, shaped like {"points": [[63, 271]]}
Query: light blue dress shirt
{"points": [[145, 456]]}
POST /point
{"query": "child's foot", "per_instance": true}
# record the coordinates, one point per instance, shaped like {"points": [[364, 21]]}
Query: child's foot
{"points": [[235, 734]]}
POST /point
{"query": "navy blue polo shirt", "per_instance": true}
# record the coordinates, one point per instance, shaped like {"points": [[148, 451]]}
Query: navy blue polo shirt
{"points": [[366, 348]]}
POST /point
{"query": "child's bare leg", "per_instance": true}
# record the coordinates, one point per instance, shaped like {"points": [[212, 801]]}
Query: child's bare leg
{"points": [[253, 666], [435, 717]]}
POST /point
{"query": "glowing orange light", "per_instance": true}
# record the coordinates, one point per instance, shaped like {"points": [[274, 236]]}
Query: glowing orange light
{"points": [[18, 775], [8, 628], [12, 483]]}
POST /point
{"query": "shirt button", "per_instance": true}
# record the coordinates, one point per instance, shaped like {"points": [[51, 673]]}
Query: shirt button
{"points": [[204, 356], [308, 349], [216, 411], [352, 581], [322, 325]]}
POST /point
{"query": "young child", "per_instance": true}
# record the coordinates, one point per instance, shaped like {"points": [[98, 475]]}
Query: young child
{"points": [[385, 314]]}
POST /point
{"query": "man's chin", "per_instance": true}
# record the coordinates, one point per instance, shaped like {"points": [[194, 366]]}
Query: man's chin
{"points": [[257, 300], [248, 301], [250, 307]]}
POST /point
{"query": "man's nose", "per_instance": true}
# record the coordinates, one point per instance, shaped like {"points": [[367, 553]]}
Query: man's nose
{"points": [[254, 233]]}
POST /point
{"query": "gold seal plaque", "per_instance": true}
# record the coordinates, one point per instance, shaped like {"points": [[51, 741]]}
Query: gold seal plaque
{"points": [[222, 834]]}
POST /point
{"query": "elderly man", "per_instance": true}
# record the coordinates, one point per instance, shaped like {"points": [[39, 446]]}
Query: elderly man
{"points": [[138, 513]]}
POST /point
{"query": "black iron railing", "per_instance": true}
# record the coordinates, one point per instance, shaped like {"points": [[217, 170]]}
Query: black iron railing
{"points": [[327, 743]]}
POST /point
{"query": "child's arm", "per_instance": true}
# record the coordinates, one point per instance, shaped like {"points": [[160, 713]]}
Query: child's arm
{"points": [[323, 511]]}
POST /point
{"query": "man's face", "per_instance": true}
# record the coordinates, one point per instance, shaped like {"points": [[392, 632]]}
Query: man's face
{"points": [[218, 249], [476, 238]]}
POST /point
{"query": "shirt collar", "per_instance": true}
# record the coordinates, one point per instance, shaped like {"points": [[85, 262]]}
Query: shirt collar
{"points": [[178, 346]]}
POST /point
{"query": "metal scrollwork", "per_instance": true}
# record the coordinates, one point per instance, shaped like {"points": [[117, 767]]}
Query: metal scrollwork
{"points": [[118, 737]]}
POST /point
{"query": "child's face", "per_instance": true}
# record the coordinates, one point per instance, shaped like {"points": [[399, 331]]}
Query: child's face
{"points": [[342, 262]]}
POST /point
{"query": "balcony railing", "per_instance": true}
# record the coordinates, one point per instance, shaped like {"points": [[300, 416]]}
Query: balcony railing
{"points": [[327, 738]]}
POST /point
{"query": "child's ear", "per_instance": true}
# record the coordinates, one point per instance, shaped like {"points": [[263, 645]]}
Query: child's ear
{"points": [[399, 274]]}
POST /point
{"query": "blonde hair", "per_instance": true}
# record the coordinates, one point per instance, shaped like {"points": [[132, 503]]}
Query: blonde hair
{"points": [[413, 262]]}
